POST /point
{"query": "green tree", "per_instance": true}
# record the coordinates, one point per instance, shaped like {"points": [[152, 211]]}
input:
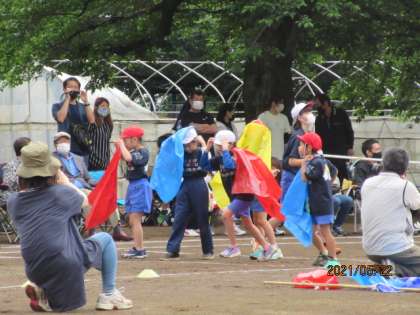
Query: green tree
{"points": [[262, 40]]}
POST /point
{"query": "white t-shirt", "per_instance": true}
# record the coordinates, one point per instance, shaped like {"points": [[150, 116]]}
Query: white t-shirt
{"points": [[278, 125], [387, 224]]}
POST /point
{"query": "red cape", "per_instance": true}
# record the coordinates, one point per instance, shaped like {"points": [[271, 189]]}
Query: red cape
{"points": [[103, 198], [253, 177]]}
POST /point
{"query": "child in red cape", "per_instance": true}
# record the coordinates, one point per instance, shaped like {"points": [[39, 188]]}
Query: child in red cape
{"points": [[230, 162]]}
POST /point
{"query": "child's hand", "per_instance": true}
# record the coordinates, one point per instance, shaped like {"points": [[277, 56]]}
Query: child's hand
{"points": [[210, 143], [201, 141], [119, 143], [225, 146], [275, 172], [308, 158]]}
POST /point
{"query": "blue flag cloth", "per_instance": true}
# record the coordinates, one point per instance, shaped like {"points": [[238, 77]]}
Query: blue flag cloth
{"points": [[298, 219], [169, 167], [388, 285]]}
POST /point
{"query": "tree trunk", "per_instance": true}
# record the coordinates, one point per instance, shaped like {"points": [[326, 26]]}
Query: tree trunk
{"points": [[269, 74]]}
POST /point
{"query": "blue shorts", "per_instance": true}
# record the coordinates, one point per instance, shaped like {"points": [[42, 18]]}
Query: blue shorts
{"points": [[322, 219], [139, 197], [240, 208], [256, 206]]}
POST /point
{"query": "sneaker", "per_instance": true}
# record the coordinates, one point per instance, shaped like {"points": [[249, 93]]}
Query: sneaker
{"points": [[239, 231], [278, 254], [257, 253], [320, 261], [114, 301], [279, 232], [338, 231], [39, 302], [268, 254], [209, 256], [191, 233], [135, 253], [331, 262], [231, 252], [171, 256]]}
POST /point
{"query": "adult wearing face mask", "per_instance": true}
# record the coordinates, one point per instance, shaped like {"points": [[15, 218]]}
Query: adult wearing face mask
{"points": [[334, 126], [303, 122], [73, 165], [100, 133], [278, 124], [193, 113], [366, 169], [74, 116]]}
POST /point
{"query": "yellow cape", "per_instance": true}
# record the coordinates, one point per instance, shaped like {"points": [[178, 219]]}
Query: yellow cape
{"points": [[256, 138]]}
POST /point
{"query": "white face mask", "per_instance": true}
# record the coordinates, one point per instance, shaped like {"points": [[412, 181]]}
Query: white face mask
{"points": [[308, 123], [63, 148], [197, 105]]}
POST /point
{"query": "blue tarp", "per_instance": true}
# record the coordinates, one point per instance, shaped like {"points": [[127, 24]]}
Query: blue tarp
{"points": [[169, 167], [298, 219], [389, 285]]}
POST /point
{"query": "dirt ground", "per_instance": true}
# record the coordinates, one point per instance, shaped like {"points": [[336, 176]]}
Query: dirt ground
{"points": [[221, 286]]}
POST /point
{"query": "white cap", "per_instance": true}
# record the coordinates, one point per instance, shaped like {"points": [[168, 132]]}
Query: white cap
{"points": [[297, 109], [224, 135], [190, 135], [61, 134]]}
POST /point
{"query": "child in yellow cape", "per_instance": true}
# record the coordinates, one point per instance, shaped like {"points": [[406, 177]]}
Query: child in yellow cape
{"points": [[255, 138]]}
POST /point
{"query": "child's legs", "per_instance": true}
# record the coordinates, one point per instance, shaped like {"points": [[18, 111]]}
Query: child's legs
{"points": [[254, 231], [318, 241], [229, 226], [136, 229], [199, 200], [260, 220], [109, 260], [325, 230], [182, 214]]}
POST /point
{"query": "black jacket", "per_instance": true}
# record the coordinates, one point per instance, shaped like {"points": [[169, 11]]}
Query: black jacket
{"points": [[336, 132]]}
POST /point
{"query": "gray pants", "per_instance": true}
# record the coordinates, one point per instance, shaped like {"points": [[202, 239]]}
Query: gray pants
{"points": [[405, 264]]}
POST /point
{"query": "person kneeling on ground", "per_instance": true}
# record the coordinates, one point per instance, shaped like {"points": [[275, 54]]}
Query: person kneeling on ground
{"points": [[54, 253], [387, 222]]}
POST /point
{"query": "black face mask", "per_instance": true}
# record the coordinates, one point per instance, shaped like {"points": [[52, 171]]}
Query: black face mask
{"points": [[377, 155]]}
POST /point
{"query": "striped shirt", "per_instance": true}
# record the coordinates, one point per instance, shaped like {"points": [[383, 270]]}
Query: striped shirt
{"points": [[99, 153]]}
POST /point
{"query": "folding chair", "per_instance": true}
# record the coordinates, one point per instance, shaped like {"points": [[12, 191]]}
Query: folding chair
{"points": [[7, 228]]}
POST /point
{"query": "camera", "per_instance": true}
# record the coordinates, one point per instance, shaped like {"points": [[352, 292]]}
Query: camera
{"points": [[74, 94]]}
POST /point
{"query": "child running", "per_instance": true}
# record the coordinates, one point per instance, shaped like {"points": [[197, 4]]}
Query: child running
{"points": [[319, 173], [240, 204], [138, 200], [193, 197], [259, 217]]}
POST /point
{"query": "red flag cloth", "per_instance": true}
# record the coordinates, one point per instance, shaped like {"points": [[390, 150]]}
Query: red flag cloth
{"points": [[253, 177], [103, 198]]}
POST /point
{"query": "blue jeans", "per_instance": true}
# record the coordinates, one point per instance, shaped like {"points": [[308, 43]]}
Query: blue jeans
{"points": [[286, 180], [342, 207], [109, 260], [193, 197]]}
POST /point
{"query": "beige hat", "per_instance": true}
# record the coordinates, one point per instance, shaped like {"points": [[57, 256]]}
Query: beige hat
{"points": [[190, 135], [224, 135], [36, 160], [61, 134]]}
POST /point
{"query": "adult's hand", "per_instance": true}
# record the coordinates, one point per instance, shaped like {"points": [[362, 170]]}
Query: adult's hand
{"points": [[83, 97]]}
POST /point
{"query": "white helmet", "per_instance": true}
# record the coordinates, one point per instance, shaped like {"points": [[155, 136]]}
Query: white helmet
{"points": [[224, 135], [190, 135]]}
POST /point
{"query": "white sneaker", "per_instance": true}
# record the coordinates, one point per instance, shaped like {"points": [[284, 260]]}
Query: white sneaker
{"points": [[38, 300], [115, 301], [278, 254], [191, 233], [239, 231]]}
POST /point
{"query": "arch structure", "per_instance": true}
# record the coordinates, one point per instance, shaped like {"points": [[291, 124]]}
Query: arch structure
{"points": [[156, 83]]}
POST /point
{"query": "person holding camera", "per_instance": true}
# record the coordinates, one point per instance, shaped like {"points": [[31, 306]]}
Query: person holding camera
{"points": [[73, 115]]}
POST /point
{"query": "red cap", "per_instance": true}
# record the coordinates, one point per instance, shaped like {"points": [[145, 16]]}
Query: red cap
{"points": [[312, 139], [132, 132]]}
